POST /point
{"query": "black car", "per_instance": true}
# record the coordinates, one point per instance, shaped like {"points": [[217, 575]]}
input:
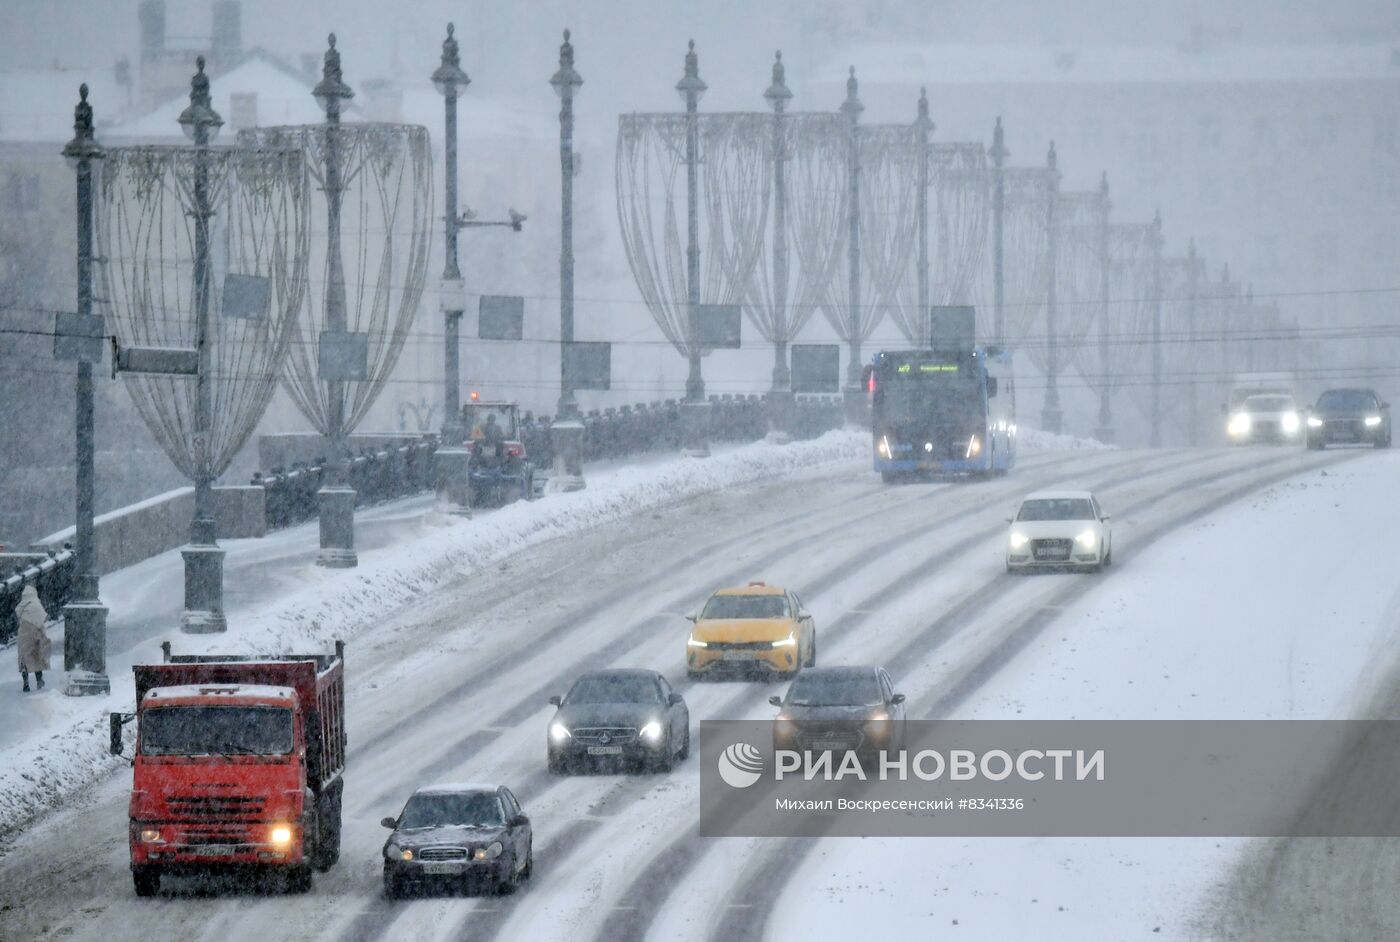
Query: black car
{"points": [[1349, 417], [620, 717], [458, 835], [840, 709]]}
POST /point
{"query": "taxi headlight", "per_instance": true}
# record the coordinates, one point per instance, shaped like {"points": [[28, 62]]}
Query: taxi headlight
{"points": [[692, 642], [787, 642], [1289, 422], [1372, 421], [489, 853], [152, 836], [651, 732], [281, 835], [1239, 424], [1086, 538], [1314, 422], [1018, 540], [558, 732]]}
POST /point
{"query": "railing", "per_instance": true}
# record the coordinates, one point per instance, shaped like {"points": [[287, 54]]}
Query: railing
{"points": [[50, 573], [608, 435]]}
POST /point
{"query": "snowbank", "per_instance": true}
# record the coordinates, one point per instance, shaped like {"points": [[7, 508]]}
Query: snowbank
{"points": [[48, 768], [1033, 439]]}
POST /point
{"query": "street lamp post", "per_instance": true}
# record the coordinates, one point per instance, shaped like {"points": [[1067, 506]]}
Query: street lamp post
{"points": [[855, 393], [1050, 415], [204, 560], [336, 497], [695, 411], [923, 126], [85, 617], [1156, 416], [1104, 432], [568, 427], [451, 457], [999, 154], [1192, 392], [780, 398]]}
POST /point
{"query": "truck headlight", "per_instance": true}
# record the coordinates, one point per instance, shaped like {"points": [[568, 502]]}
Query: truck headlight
{"points": [[1289, 422], [651, 732], [1314, 422], [787, 642], [558, 732], [489, 853], [1239, 425], [1372, 421], [691, 642], [152, 836], [281, 835], [1018, 540], [1086, 538]]}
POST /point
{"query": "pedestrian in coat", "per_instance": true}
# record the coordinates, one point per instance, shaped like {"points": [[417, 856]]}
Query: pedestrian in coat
{"points": [[34, 647]]}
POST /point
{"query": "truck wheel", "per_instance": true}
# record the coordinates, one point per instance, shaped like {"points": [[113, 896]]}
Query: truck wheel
{"points": [[299, 879], [328, 820], [147, 880]]}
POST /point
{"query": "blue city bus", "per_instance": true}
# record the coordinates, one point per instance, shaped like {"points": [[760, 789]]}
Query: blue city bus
{"points": [[942, 412]]}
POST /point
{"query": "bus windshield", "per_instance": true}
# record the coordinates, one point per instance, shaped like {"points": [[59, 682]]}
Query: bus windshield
{"points": [[944, 387]]}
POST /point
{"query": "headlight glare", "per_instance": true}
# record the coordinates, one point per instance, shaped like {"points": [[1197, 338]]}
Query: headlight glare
{"points": [[1018, 540], [558, 732], [1372, 421], [281, 835], [152, 836], [1086, 538], [1289, 422], [1314, 422], [691, 642], [651, 732], [489, 853], [1239, 424], [884, 448], [787, 642]]}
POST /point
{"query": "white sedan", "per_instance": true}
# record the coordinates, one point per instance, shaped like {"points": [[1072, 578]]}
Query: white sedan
{"points": [[1061, 529]]}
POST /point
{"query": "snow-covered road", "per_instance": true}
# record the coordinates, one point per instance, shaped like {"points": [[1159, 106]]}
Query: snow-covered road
{"points": [[454, 686]]}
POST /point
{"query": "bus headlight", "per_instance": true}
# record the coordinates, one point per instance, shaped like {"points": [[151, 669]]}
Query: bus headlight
{"points": [[974, 447], [884, 448]]}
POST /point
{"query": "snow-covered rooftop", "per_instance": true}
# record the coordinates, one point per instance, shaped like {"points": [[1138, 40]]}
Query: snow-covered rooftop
{"points": [[266, 691]]}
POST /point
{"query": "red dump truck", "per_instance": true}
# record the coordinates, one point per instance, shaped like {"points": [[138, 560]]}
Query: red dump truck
{"points": [[238, 766]]}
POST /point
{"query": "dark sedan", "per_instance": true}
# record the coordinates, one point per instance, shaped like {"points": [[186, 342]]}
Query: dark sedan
{"points": [[458, 835], [840, 709], [1349, 417], [630, 718]]}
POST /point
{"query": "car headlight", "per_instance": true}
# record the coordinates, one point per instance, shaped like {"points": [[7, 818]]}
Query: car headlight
{"points": [[884, 448], [152, 836], [489, 853], [1372, 421], [281, 835], [1086, 538], [787, 642], [395, 852], [1314, 422], [558, 732], [1018, 540], [1239, 424], [1289, 422], [784, 726], [691, 642], [878, 724], [651, 732]]}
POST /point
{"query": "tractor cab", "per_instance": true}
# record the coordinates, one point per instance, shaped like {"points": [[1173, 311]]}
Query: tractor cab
{"points": [[499, 471]]}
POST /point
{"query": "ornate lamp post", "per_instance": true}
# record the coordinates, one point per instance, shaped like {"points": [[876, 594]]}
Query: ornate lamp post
{"points": [[451, 457], [85, 617], [851, 108], [780, 398], [204, 561], [1104, 432], [695, 411], [568, 429], [923, 126], [1050, 414], [337, 498], [999, 153]]}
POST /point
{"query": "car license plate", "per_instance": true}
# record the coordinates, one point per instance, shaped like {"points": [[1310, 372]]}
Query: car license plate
{"points": [[214, 850], [605, 750], [438, 869], [735, 656]]}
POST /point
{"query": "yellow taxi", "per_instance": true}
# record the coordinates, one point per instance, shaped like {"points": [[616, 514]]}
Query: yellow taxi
{"points": [[757, 627]]}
